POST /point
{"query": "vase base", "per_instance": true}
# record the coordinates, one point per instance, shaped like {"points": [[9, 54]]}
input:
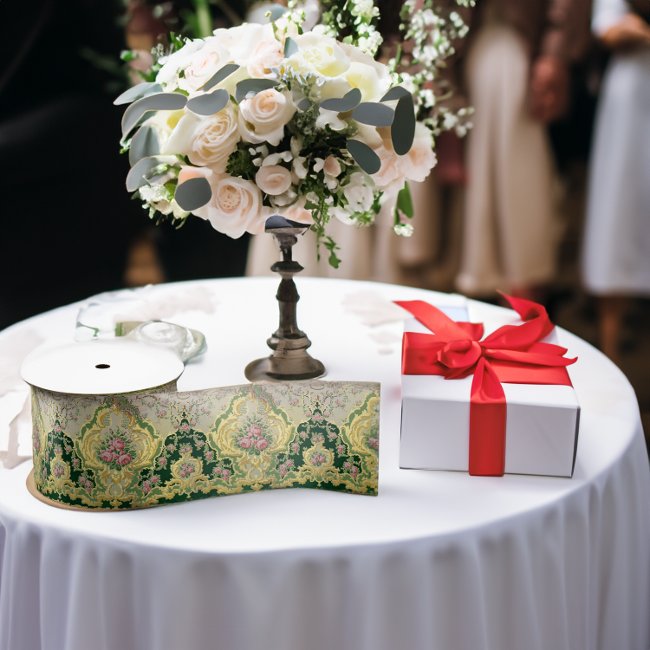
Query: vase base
{"points": [[274, 369]]}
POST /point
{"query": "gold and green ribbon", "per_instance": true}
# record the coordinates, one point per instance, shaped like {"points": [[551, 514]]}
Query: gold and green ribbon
{"points": [[145, 449]]}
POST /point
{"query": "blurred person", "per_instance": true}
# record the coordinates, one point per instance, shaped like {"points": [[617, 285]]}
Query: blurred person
{"points": [[517, 67], [616, 255]]}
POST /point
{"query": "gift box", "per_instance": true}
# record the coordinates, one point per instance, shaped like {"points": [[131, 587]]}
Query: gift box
{"points": [[495, 404]]}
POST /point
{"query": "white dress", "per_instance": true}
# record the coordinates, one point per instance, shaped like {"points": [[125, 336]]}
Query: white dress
{"points": [[616, 254]]}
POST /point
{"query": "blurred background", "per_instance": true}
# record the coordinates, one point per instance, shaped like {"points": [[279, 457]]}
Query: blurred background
{"points": [[548, 196]]}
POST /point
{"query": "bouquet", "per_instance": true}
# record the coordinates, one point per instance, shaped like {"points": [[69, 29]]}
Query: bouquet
{"points": [[261, 120]]}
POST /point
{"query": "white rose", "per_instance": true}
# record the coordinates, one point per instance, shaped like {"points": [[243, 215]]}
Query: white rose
{"points": [[164, 122], [241, 40], [273, 179], [366, 78], [263, 117], [333, 88], [421, 159], [205, 140], [319, 54], [266, 55], [167, 76], [235, 207], [203, 65]]}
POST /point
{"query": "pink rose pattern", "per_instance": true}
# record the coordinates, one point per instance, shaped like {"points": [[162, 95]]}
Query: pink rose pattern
{"points": [[116, 449], [253, 439], [317, 444]]}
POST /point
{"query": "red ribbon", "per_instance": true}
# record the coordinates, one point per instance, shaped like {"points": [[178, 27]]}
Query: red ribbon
{"points": [[512, 354]]}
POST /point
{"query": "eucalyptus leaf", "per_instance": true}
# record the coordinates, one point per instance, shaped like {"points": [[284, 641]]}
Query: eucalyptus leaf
{"points": [[276, 11], [374, 114], [137, 174], [220, 75], [402, 131], [396, 92], [143, 144], [364, 156], [193, 194], [158, 102], [405, 202], [253, 86], [290, 47], [210, 103], [343, 104], [136, 92], [304, 104]]}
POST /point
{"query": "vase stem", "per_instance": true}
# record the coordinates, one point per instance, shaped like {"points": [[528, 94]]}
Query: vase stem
{"points": [[289, 359]]}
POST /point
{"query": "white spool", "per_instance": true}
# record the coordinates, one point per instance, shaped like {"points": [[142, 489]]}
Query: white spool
{"points": [[101, 367]]}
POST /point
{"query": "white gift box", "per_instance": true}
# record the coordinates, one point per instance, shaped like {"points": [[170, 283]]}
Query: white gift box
{"points": [[541, 426]]}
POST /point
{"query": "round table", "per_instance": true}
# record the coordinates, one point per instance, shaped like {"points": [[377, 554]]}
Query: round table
{"points": [[438, 561]]}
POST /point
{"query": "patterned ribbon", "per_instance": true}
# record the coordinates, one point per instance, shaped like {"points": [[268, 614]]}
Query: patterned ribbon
{"points": [[137, 450], [512, 354]]}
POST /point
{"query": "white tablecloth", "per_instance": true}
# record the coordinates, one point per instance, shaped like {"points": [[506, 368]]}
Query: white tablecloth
{"points": [[438, 561]]}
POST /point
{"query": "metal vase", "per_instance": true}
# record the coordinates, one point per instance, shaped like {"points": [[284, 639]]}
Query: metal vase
{"points": [[289, 359]]}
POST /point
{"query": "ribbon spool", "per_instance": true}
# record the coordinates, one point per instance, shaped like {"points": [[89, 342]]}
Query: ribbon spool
{"points": [[85, 374], [101, 367], [111, 432]]}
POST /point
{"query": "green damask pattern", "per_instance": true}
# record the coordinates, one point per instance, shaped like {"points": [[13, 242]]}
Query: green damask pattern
{"points": [[147, 449]]}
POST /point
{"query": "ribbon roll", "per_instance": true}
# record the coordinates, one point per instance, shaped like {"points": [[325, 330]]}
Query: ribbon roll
{"points": [[111, 432]]}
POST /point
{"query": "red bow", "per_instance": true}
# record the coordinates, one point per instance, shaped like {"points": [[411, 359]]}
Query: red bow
{"points": [[511, 354]]}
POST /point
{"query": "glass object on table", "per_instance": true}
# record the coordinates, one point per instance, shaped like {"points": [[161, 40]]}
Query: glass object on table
{"points": [[110, 314]]}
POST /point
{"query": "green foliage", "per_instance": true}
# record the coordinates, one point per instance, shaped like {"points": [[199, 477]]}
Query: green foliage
{"points": [[240, 162]]}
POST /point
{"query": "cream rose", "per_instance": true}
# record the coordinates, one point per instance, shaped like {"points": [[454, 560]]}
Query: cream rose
{"points": [[390, 169], [235, 207], [205, 140], [273, 179], [241, 40], [167, 76], [266, 55], [319, 54], [262, 117], [203, 65], [297, 212], [421, 159], [367, 79]]}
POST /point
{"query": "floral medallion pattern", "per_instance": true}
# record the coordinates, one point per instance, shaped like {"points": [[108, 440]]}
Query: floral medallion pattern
{"points": [[142, 450]]}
